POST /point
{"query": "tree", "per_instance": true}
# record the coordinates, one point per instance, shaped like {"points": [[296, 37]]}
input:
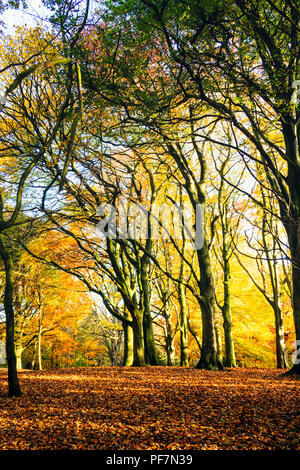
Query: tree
{"points": [[109, 260], [241, 58], [105, 330], [27, 153], [47, 303], [266, 248], [225, 224]]}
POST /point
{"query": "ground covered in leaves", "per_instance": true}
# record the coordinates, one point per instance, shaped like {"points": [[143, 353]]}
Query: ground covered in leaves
{"points": [[151, 408]]}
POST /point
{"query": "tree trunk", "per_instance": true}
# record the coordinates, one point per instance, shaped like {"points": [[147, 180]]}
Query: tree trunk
{"points": [[229, 360], [20, 323], [138, 340], [296, 309], [293, 232], [219, 344], [281, 352], [112, 356], [39, 352], [183, 327], [128, 345], [33, 355], [13, 382], [209, 356], [39, 342], [227, 320], [149, 342], [206, 294], [290, 217], [19, 351], [195, 334], [170, 349]]}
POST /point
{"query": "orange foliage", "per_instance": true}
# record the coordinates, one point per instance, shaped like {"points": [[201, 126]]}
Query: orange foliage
{"points": [[151, 408]]}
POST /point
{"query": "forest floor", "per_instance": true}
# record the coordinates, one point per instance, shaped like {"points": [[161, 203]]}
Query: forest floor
{"points": [[114, 408]]}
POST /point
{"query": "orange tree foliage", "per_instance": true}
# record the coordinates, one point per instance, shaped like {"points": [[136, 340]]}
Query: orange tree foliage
{"points": [[64, 300], [54, 297]]}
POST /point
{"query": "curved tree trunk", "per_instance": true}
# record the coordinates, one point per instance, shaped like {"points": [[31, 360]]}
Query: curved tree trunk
{"points": [[13, 381]]}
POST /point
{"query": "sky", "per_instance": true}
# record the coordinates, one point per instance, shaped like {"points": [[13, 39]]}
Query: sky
{"points": [[30, 17]]}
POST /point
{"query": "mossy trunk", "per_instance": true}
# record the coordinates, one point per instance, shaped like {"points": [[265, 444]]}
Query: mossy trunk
{"points": [[149, 342], [128, 345], [209, 354], [229, 360], [138, 340]]}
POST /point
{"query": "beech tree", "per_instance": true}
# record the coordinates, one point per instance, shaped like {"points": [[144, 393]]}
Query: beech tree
{"points": [[26, 142], [154, 102], [242, 59]]}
